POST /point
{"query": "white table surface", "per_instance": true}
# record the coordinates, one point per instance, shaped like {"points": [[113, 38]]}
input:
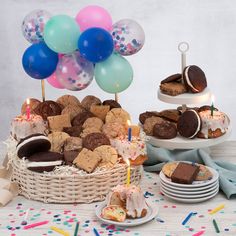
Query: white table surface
{"points": [[172, 213]]}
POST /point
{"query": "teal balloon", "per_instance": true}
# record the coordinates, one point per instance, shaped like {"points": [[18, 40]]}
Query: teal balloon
{"points": [[114, 75], [61, 34]]}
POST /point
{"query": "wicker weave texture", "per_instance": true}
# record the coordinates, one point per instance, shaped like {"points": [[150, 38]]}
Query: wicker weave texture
{"points": [[74, 188]]}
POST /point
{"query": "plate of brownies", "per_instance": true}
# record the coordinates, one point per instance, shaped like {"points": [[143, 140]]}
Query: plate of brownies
{"points": [[188, 182]]}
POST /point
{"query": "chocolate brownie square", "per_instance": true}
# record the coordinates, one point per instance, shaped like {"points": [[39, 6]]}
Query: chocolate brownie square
{"points": [[184, 173]]}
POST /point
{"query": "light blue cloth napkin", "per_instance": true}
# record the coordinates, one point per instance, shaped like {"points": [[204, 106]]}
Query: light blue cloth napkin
{"points": [[157, 157]]}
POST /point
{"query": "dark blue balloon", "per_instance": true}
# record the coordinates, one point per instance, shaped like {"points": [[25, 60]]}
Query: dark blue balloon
{"points": [[39, 61], [95, 44]]}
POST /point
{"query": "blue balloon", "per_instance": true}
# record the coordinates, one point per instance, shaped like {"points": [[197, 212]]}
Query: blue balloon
{"points": [[39, 61], [95, 44]]}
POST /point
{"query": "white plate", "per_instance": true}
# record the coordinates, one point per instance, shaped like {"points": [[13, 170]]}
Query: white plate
{"points": [[195, 184], [190, 200], [152, 212], [189, 190], [187, 195], [186, 143], [186, 98]]}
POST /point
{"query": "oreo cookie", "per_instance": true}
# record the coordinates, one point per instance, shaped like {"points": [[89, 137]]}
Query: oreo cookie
{"points": [[189, 124], [32, 144], [194, 79], [44, 161]]}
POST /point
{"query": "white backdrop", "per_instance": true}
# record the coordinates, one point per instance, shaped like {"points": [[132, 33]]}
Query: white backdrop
{"points": [[209, 26]]}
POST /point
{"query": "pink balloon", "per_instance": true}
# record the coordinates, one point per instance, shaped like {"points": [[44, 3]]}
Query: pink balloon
{"points": [[52, 80], [94, 16]]}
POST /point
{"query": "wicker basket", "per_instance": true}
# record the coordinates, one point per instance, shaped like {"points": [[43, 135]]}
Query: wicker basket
{"points": [[75, 188]]}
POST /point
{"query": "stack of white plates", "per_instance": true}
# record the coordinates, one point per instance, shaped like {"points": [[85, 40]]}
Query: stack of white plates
{"points": [[198, 191]]}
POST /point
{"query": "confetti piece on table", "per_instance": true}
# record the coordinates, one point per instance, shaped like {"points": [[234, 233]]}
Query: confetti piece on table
{"points": [[96, 232], [188, 217], [160, 220], [24, 222], [60, 231], [36, 224], [199, 233], [76, 229], [221, 206], [216, 226]]}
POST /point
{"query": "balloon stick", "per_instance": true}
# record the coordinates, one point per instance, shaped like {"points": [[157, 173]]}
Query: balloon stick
{"points": [[43, 89], [116, 97]]}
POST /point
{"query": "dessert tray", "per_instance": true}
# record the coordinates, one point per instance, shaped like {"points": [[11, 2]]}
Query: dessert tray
{"points": [[185, 143], [151, 213], [198, 191]]}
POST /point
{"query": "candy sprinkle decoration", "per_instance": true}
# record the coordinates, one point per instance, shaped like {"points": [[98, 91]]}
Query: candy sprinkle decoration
{"points": [[218, 208]]}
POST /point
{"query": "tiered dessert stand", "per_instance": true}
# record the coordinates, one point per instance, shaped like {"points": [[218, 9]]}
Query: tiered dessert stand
{"points": [[183, 99]]}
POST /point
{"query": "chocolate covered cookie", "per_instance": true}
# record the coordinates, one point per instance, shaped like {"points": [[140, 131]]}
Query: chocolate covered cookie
{"points": [[143, 116], [189, 124], [73, 131], [172, 78], [32, 144], [194, 79], [44, 161], [111, 103], [48, 108], [81, 118], [94, 140], [165, 130]]}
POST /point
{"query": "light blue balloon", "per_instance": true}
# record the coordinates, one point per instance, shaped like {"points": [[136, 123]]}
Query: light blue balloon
{"points": [[61, 34], [114, 75]]}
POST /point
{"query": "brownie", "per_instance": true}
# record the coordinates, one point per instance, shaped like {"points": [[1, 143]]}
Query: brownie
{"points": [[170, 115], [185, 173], [173, 88]]}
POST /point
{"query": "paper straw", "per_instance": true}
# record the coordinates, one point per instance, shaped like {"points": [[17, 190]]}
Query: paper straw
{"points": [[188, 217], [218, 208], [216, 226], [60, 231], [76, 229], [96, 232], [199, 233], [36, 224]]}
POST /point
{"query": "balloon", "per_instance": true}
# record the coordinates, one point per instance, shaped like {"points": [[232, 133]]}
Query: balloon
{"points": [[74, 72], [61, 34], [33, 25], [114, 75], [94, 16], [128, 37], [39, 61], [95, 44], [52, 80]]}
